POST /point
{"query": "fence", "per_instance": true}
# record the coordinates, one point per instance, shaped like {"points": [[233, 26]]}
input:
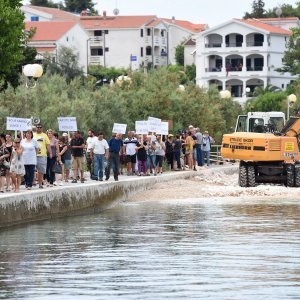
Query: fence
{"points": [[215, 154]]}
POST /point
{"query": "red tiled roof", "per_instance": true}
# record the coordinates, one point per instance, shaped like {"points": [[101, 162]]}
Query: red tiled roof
{"points": [[57, 14], [264, 26], [278, 19], [49, 31], [89, 22], [45, 49], [187, 25]]}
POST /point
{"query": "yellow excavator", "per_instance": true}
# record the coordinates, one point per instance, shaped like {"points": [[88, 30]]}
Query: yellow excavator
{"points": [[266, 157]]}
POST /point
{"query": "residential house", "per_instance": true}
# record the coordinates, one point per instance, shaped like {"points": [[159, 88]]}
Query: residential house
{"points": [[50, 36], [242, 54]]}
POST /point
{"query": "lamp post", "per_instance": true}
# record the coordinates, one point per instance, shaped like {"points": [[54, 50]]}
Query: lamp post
{"points": [[291, 99], [32, 73], [225, 94]]}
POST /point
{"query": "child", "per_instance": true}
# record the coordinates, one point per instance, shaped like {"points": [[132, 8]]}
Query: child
{"points": [[17, 168]]}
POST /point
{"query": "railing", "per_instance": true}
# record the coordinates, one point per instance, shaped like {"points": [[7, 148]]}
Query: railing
{"points": [[239, 44], [96, 39], [255, 68], [215, 154], [213, 69], [213, 45], [255, 44]]}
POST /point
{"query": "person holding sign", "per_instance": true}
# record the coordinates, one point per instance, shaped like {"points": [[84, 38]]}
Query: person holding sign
{"points": [[130, 144], [44, 146], [160, 151]]}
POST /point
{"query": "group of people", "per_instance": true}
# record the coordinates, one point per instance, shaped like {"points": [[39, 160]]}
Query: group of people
{"points": [[47, 159]]}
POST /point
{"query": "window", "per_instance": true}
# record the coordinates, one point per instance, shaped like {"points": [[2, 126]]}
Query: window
{"points": [[98, 33], [67, 38], [148, 31], [34, 18], [282, 85], [142, 51], [148, 50], [142, 32], [97, 52], [106, 31], [106, 49], [162, 33]]}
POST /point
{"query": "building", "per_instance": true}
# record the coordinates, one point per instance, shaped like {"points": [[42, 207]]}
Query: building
{"points": [[38, 13], [50, 36], [124, 41], [134, 41], [242, 54]]}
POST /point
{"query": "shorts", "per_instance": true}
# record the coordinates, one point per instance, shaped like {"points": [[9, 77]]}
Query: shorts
{"points": [[41, 164], [68, 164], [131, 158], [78, 163], [159, 160]]}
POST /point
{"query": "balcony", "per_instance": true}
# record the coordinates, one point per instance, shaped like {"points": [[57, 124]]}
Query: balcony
{"points": [[255, 68], [95, 60], [213, 69], [96, 40]]}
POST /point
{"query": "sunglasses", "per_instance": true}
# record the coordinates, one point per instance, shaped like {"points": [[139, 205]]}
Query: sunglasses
{"points": [[39, 127], [17, 142]]}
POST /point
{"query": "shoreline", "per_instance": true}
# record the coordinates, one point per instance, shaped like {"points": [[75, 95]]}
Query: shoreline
{"points": [[78, 198]]}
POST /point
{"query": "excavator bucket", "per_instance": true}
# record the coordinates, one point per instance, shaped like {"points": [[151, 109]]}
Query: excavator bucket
{"points": [[292, 127]]}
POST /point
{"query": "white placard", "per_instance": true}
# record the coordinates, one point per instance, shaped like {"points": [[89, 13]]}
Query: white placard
{"points": [[119, 128], [67, 123], [19, 124], [141, 127], [163, 128], [153, 124]]}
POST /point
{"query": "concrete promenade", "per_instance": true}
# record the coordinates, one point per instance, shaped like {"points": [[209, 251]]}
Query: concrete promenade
{"points": [[75, 198]]}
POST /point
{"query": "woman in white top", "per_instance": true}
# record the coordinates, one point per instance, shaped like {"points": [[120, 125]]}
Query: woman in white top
{"points": [[30, 149], [17, 164]]}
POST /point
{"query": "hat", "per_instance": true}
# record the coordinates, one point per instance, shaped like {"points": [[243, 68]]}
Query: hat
{"points": [[170, 135], [191, 126], [205, 131], [64, 134]]}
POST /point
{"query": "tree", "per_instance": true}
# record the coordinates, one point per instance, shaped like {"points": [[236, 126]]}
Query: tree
{"points": [[67, 64], [291, 58], [179, 55], [77, 6], [44, 3], [258, 10], [11, 36]]}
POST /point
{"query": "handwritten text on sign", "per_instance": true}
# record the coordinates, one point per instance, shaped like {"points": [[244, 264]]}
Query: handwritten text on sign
{"points": [[19, 124], [163, 128], [141, 127], [119, 128], [67, 123]]}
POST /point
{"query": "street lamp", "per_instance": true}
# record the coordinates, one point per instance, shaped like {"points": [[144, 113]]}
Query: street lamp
{"points": [[225, 94], [32, 73], [291, 99]]}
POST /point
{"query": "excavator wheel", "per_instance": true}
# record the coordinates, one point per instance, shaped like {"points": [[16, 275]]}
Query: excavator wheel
{"points": [[243, 174], [297, 175], [251, 176], [290, 175]]}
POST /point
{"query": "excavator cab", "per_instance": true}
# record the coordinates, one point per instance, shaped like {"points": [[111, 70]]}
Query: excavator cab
{"points": [[260, 122]]}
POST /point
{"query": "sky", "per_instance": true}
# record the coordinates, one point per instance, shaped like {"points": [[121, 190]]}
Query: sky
{"points": [[211, 12]]}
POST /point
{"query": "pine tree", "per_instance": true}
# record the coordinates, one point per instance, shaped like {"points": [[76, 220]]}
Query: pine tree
{"points": [[44, 3], [77, 6], [258, 10]]}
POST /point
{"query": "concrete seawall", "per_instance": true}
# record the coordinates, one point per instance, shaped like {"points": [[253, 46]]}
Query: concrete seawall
{"points": [[74, 199]]}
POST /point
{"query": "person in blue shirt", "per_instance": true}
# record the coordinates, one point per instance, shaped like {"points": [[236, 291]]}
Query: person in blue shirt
{"points": [[115, 146]]}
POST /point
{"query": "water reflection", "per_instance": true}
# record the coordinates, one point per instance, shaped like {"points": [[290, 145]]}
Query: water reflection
{"points": [[183, 249]]}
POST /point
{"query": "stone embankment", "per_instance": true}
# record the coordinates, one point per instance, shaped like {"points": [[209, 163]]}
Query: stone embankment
{"points": [[75, 199]]}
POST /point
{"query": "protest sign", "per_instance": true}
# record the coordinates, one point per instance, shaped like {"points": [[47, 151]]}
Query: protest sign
{"points": [[19, 124], [119, 128], [163, 128], [141, 127], [153, 124], [67, 123]]}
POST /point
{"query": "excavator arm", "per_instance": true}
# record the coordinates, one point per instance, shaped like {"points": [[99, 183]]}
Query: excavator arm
{"points": [[291, 128]]}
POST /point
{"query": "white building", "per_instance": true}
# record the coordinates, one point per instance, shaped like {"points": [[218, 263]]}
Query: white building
{"points": [[38, 13], [131, 41], [124, 41], [50, 36], [241, 54]]}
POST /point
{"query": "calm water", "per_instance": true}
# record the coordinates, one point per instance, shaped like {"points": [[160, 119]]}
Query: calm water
{"points": [[160, 250]]}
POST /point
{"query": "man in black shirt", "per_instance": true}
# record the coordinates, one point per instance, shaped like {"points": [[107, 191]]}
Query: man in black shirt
{"points": [[77, 146]]}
